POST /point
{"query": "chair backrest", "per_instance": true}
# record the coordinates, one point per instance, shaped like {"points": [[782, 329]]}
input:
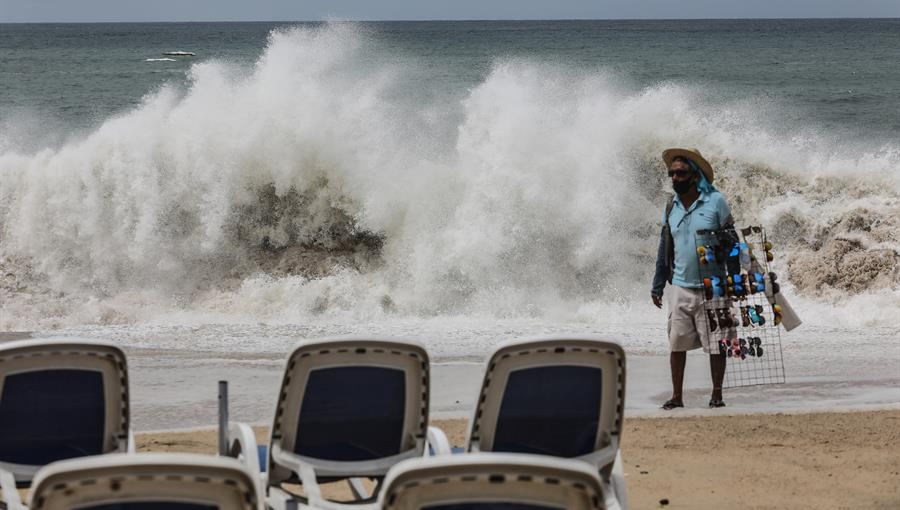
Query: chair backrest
{"points": [[144, 481], [351, 406], [60, 399], [553, 396], [488, 481]]}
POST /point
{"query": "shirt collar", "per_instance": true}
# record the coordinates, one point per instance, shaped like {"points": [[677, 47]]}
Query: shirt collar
{"points": [[702, 198]]}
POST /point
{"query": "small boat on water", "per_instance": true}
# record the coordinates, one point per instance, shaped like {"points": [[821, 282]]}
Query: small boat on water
{"points": [[179, 53]]}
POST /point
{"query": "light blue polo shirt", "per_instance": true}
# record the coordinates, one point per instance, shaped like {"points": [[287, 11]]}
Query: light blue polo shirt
{"points": [[709, 212]]}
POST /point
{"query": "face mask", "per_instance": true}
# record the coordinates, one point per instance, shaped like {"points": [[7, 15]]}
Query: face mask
{"points": [[682, 187]]}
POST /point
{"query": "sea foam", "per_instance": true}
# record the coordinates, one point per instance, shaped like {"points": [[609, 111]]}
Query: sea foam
{"points": [[319, 184]]}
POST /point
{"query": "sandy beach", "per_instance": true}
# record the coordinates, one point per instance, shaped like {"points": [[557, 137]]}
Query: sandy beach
{"points": [[798, 461]]}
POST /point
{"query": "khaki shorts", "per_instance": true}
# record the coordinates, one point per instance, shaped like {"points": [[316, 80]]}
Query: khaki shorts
{"points": [[687, 323]]}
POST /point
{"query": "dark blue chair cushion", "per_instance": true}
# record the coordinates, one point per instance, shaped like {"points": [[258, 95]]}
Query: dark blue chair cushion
{"points": [[552, 410], [51, 415], [151, 505], [352, 414]]}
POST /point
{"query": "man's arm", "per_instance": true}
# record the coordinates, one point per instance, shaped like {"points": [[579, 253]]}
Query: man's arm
{"points": [[661, 275]]}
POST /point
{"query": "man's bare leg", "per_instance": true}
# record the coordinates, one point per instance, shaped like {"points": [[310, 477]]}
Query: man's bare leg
{"points": [[677, 360], [717, 370]]}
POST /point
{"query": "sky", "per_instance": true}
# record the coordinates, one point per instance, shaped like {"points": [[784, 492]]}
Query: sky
{"points": [[17, 11]]}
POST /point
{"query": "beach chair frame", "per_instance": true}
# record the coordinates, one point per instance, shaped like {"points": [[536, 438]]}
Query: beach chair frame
{"points": [[285, 466], [144, 477], [499, 477], [543, 352], [588, 351], [25, 356]]}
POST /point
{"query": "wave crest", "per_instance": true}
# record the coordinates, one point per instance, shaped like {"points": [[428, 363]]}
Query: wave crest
{"points": [[319, 183]]}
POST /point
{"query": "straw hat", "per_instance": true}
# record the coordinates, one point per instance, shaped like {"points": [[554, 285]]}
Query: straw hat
{"points": [[693, 155]]}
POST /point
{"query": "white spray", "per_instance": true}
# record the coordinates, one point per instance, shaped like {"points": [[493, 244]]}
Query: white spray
{"points": [[313, 185]]}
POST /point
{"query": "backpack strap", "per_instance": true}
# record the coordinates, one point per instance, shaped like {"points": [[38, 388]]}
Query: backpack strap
{"points": [[669, 241], [669, 205]]}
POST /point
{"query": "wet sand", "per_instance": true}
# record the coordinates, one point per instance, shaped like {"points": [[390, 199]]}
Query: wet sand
{"points": [[174, 370], [797, 461]]}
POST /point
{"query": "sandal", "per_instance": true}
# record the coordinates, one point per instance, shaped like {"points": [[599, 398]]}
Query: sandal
{"points": [[713, 403], [672, 404]]}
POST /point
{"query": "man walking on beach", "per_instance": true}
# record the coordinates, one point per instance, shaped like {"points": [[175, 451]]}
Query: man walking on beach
{"points": [[696, 205]]}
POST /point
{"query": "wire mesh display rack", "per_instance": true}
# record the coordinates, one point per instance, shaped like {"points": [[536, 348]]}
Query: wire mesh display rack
{"points": [[738, 301]]}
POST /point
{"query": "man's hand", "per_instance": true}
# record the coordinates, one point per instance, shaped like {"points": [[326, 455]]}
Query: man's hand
{"points": [[657, 300]]}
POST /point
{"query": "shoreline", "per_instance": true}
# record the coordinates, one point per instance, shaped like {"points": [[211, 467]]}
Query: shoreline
{"points": [[815, 460], [174, 383], [661, 415]]}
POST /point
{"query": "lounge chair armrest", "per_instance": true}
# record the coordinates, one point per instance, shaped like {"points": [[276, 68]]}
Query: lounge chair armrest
{"points": [[613, 504], [279, 499], [309, 479], [306, 472], [242, 445], [437, 442], [603, 458], [10, 493]]}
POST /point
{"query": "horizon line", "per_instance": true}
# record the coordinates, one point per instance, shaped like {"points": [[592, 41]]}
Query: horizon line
{"points": [[464, 20]]}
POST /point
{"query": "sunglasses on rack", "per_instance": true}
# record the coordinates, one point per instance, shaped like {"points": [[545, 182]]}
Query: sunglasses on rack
{"points": [[754, 230]]}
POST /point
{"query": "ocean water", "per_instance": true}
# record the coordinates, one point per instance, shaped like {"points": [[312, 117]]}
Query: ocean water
{"points": [[835, 75], [458, 182]]}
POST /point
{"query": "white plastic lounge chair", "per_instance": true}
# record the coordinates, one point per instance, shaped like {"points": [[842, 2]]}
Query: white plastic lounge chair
{"points": [[60, 399], [493, 481], [143, 481], [348, 409], [563, 397]]}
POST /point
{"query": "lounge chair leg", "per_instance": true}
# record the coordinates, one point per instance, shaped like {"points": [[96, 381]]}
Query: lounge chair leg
{"points": [[437, 442], [358, 488], [11, 499], [310, 484]]}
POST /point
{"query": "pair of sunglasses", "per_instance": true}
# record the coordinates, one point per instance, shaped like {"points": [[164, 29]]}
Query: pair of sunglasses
{"points": [[757, 282], [736, 285], [720, 317], [776, 311], [713, 287], [733, 349], [754, 348], [741, 348], [745, 317], [755, 313], [747, 231], [679, 173]]}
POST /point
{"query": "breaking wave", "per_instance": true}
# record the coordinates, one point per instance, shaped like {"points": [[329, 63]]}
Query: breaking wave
{"points": [[320, 184]]}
